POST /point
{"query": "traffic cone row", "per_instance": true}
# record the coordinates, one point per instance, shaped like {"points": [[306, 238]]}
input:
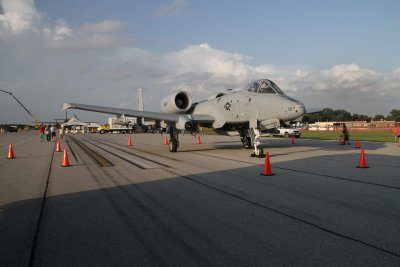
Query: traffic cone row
{"points": [[267, 171]]}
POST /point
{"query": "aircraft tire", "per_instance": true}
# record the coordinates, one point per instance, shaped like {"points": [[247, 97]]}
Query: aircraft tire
{"points": [[260, 152], [247, 142], [173, 145]]}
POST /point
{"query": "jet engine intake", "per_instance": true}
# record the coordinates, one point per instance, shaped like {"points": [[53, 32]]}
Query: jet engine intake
{"points": [[185, 123], [176, 103]]}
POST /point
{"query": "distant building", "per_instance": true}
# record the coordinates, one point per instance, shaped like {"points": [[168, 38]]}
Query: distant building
{"points": [[382, 124], [338, 125]]}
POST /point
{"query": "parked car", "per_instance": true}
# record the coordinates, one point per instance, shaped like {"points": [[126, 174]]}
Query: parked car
{"points": [[287, 132], [11, 128]]}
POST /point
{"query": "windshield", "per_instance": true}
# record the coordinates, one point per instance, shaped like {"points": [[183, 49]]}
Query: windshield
{"points": [[263, 87], [276, 88]]}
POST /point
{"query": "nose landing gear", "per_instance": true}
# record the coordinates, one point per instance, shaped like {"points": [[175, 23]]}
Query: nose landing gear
{"points": [[251, 139]]}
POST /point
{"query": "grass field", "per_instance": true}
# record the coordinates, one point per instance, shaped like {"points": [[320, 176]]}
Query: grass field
{"points": [[375, 136]]}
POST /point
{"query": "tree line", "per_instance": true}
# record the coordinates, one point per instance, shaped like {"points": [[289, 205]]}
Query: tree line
{"points": [[328, 114]]}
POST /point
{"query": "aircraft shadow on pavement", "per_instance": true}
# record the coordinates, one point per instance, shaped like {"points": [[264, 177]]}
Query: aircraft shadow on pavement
{"points": [[313, 210], [286, 143]]}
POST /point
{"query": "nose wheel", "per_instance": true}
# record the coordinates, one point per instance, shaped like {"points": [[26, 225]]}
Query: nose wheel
{"points": [[251, 139], [258, 152]]}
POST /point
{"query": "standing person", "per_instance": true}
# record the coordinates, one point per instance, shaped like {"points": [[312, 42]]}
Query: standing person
{"points": [[53, 132], [346, 135], [47, 133], [61, 133], [41, 132], [397, 133]]}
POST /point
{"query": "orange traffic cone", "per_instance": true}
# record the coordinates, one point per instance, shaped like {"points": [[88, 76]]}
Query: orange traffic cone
{"points": [[267, 166], [362, 163], [166, 140], [129, 142], [357, 143], [198, 140], [293, 142], [58, 147], [10, 152], [65, 162]]}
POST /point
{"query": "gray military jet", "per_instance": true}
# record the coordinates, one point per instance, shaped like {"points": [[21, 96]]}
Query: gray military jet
{"points": [[261, 105]]}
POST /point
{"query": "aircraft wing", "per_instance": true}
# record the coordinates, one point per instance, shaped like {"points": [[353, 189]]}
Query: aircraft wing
{"points": [[199, 118], [313, 110]]}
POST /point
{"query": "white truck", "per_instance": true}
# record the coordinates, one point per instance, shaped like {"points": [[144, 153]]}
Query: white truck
{"points": [[121, 124]]}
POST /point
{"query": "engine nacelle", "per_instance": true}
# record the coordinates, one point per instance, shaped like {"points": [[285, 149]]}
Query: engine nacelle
{"points": [[185, 123], [177, 103]]}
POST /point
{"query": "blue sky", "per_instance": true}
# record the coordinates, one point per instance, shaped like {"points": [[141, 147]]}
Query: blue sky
{"points": [[338, 54]]}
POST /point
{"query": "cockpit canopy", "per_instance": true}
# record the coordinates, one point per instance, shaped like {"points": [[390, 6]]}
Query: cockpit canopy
{"points": [[263, 86]]}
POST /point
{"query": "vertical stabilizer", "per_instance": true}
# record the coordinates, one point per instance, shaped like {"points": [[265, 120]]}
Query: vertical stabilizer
{"points": [[139, 103], [139, 96]]}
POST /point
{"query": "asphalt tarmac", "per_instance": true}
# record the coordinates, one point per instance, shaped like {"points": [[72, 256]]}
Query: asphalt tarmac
{"points": [[206, 205]]}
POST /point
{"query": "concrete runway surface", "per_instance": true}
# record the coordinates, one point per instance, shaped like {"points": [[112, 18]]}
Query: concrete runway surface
{"points": [[206, 205]]}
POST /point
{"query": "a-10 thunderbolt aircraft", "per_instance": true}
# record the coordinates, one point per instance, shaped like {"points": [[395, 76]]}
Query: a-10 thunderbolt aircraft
{"points": [[261, 105]]}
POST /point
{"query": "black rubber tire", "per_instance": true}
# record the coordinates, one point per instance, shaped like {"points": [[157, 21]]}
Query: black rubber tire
{"points": [[173, 145], [247, 143], [260, 152]]}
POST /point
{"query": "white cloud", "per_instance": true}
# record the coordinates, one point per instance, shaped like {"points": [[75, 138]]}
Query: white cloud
{"points": [[20, 19], [60, 32], [18, 16], [95, 36], [107, 26], [171, 9], [396, 73]]}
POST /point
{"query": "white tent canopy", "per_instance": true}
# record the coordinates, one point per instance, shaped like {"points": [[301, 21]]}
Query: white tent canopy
{"points": [[74, 121]]}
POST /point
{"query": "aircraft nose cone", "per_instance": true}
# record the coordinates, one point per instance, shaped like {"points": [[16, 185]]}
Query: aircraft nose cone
{"points": [[300, 109]]}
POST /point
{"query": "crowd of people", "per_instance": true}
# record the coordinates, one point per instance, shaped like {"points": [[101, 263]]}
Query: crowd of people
{"points": [[49, 133]]}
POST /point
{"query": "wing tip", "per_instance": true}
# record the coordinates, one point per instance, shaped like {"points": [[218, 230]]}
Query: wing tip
{"points": [[66, 106]]}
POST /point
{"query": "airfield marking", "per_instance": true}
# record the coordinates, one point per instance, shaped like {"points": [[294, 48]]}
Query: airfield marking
{"points": [[131, 160], [99, 159], [134, 154], [41, 213], [70, 149]]}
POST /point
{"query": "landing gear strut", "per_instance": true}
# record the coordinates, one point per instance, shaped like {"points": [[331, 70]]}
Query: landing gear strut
{"points": [[251, 139]]}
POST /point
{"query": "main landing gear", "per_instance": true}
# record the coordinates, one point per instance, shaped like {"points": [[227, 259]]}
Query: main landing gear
{"points": [[251, 139], [173, 140]]}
